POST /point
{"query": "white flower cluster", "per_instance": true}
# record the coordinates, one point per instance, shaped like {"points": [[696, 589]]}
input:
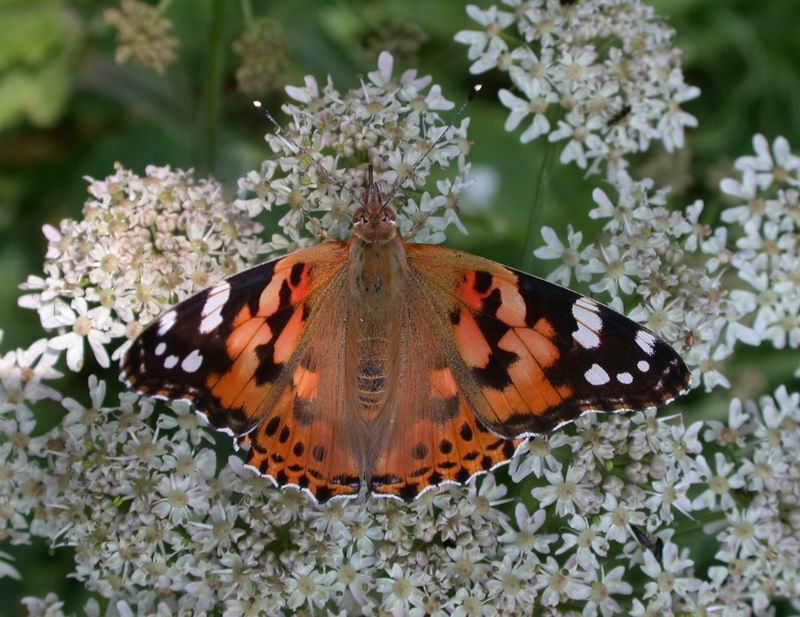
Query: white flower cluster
{"points": [[600, 76], [390, 122], [677, 270], [143, 244], [767, 221], [160, 527], [602, 518]]}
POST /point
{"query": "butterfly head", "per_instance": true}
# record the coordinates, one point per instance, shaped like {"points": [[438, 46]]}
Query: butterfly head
{"points": [[375, 220]]}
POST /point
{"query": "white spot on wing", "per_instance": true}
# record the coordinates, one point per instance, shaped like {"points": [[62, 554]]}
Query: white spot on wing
{"points": [[161, 348], [212, 309], [588, 304], [643, 366], [166, 322], [646, 341], [597, 376], [192, 362], [170, 361], [625, 378], [589, 323], [585, 337], [587, 317]]}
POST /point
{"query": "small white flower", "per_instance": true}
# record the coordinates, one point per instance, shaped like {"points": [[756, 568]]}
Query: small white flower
{"points": [[92, 325], [719, 484], [780, 165], [615, 522], [180, 497], [559, 584], [50, 606], [537, 454], [578, 130], [80, 418], [492, 20], [734, 431], [402, 589], [472, 603], [511, 585], [671, 492], [309, 586], [680, 443], [567, 491], [669, 576], [765, 470], [527, 537], [555, 249], [609, 583], [617, 271], [589, 541], [745, 531]]}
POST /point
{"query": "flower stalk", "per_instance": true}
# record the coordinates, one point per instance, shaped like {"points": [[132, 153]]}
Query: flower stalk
{"points": [[540, 198]]}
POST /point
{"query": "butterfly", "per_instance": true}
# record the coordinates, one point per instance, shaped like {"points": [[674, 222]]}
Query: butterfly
{"points": [[377, 364]]}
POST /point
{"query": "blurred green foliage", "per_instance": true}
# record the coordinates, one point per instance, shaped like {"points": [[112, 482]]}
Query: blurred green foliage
{"points": [[67, 110], [38, 59]]}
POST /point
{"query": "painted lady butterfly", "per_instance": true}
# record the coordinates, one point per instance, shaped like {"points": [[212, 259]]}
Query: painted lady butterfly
{"points": [[391, 365]]}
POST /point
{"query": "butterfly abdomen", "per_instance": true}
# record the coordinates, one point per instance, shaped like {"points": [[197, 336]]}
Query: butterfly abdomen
{"points": [[376, 287]]}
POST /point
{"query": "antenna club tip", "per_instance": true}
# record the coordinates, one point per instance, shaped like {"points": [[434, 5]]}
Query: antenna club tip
{"points": [[257, 104], [474, 92]]}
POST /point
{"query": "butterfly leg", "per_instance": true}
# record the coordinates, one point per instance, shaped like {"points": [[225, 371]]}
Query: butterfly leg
{"points": [[416, 227], [323, 233]]}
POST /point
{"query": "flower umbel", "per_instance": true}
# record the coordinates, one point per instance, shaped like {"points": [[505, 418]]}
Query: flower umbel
{"points": [[600, 76], [389, 122], [144, 243], [143, 35], [263, 60]]}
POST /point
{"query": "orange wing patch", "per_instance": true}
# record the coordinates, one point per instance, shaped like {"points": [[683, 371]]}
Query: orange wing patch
{"points": [[430, 453], [295, 448], [471, 343]]}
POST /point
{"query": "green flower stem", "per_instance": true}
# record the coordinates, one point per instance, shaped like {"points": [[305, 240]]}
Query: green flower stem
{"points": [[696, 525], [539, 199], [163, 6], [216, 53], [247, 14]]}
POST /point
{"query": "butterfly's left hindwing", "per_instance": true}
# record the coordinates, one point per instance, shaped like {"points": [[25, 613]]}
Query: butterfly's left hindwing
{"points": [[529, 355]]}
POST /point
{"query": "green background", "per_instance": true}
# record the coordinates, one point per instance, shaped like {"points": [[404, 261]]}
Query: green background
{"points": [[68, 111]]}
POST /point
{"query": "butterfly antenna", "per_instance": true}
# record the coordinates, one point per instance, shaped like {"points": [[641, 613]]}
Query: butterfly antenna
{"points": [[470, 97], [293, 144]]}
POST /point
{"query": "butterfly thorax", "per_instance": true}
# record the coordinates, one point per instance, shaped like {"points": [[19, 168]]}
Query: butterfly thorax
{"points": [[375, 222]]}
